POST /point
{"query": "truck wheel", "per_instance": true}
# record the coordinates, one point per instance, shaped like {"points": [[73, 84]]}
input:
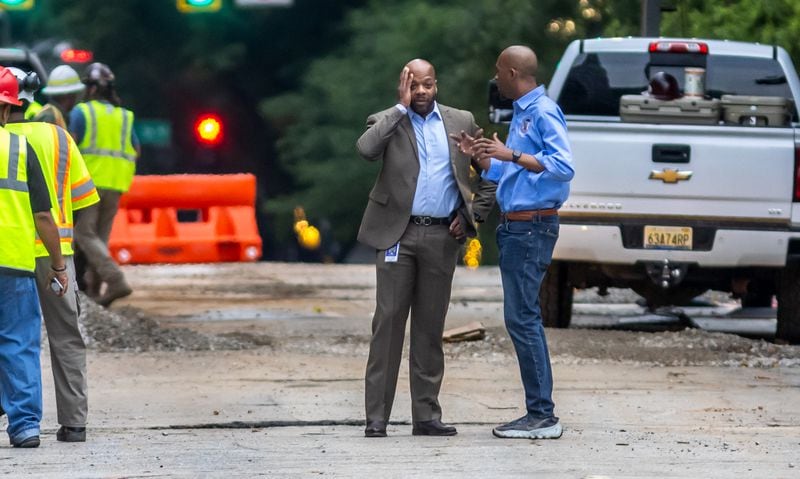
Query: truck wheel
{"points": [[759, 294], [757, 300], [555, 296], [657, 296], [789, 304]]}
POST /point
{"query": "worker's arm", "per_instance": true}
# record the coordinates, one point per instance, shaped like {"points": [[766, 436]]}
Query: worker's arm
{"points": [[43, 221]]}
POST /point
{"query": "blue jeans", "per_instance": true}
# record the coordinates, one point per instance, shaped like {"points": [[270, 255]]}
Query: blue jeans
{"points": [[20, 371], [526, 248]]}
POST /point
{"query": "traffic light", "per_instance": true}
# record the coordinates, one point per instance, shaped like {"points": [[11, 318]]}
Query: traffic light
{"points": [[199, 6], [208, 129], [17, 4]]}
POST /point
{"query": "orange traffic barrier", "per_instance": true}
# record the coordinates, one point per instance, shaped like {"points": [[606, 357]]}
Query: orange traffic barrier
{"points": [[187, 219]]}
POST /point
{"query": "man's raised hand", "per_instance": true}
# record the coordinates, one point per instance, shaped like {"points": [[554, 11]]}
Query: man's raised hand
{"points": [[404, 87]]}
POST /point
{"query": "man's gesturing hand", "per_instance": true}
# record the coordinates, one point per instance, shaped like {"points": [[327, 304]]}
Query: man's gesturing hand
{"points": [[492, 148], [466, 143]]}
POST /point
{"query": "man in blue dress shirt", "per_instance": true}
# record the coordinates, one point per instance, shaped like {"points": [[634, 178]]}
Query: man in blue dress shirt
{"points": [[532, 170]]}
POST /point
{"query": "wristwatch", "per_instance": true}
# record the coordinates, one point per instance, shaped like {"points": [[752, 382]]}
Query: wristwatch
{"points": [[515, 156]]}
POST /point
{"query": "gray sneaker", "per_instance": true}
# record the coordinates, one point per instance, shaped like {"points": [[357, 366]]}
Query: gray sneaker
{"points": [[527, 427]]}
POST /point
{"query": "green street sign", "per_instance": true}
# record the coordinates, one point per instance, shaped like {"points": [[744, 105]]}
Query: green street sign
{"points": [[154, 132]]}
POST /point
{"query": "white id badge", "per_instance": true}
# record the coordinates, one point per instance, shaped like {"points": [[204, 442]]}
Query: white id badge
{"points": [[392, 254]]}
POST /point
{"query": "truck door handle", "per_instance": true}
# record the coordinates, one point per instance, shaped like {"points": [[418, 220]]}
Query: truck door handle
{"points": [[671, 153]]}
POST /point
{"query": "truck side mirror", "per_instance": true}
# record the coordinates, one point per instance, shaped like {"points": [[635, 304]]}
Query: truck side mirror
{"points": [[500, 108]]}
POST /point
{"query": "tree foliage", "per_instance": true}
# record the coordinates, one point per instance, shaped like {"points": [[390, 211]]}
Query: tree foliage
{"points": [[775, 22], [325, 66], [324, 117]]}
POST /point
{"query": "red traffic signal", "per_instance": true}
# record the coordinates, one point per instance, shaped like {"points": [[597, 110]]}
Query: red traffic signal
{"points": [[208, 129]]}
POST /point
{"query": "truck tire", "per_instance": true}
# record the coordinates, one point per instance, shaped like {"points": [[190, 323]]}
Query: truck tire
{"points": [[555, 296], [657, 296], [757, 300], [759, 294], [789, 304]]}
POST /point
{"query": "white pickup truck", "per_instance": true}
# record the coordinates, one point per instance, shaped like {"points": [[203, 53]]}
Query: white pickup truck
{"points": [[672, 210]]}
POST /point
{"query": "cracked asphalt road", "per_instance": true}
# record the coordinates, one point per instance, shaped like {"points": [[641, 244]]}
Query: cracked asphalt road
{"points": [[290, 403]]}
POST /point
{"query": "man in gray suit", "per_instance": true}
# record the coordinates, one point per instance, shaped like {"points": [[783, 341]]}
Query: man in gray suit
{"points": [[419, 211]]}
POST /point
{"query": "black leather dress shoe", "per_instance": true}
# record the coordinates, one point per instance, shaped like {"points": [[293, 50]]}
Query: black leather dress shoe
{"points": [[71, 434], [433, 428], [375, 429]]}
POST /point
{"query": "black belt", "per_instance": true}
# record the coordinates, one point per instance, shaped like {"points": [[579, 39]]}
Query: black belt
{"points": [[429, 221]]}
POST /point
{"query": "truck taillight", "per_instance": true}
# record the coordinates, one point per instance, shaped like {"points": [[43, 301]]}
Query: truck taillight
{"points": [[678, 47], [796, 196]]}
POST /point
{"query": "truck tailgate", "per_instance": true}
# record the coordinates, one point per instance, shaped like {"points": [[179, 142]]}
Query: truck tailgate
{"points": [[734, 173]]}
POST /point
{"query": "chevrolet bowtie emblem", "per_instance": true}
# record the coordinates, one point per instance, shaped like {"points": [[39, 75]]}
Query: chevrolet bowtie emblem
{"points": [[668, 175]]}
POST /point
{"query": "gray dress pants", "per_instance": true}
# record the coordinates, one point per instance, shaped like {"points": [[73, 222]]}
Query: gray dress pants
{"points": [[420, 281], [67, 349]]}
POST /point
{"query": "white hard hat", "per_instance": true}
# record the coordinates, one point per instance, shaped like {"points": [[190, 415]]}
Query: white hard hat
{"points": [[24, 93], [63, 80]]}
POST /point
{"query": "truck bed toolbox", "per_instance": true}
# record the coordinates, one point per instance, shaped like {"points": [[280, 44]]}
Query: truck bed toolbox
{"points": [[646, 109], [756, 110]]}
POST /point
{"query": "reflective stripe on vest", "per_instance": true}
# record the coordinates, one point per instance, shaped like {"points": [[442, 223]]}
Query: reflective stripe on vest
{"points": [[106, 145], [80, 191], [10, 182], [17, 230]]}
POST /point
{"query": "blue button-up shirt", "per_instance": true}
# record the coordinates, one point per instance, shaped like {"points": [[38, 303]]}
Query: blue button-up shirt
{"points": [[537, 128], [437, 192]]}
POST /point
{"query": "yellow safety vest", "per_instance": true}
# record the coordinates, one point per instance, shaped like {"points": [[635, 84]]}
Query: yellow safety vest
{"points": [[57, 115], [33, 108], [68, 181], [106, 145], [17, 229]]}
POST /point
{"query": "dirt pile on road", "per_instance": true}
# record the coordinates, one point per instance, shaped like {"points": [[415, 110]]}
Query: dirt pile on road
{"points": [[131, 329], [128, 329], [689, 347]]}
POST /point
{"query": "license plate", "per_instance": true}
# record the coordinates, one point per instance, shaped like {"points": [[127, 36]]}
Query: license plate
{"points": [[668, 237]]}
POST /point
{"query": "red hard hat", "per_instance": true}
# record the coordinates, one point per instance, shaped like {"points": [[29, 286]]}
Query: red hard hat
{"points": [[663, 86], [9, 88]]}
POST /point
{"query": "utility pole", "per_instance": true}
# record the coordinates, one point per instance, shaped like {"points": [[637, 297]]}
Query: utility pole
{"points": [[651, 18], [5, 29]]}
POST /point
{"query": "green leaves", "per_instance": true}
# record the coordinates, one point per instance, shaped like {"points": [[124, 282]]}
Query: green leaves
{"points": [[324, 117]]}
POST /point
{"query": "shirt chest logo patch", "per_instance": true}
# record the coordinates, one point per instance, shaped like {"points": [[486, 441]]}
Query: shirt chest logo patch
{"points": [[524, 127]]}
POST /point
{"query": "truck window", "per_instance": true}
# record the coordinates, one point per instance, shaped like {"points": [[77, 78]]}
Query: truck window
{"points": [[596, 81]]}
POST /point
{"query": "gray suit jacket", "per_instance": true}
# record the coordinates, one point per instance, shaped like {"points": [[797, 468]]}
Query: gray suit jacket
{"points": [[390, 137]]}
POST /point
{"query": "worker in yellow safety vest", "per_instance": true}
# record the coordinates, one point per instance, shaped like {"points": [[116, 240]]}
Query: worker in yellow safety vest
{"points": [[62, 89], [70, 188], [24, 214], [104, 132], [33, 109]]}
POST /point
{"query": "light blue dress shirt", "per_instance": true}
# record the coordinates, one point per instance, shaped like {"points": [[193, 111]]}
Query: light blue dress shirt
{"points": [[537, 128], [437, 192]]}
